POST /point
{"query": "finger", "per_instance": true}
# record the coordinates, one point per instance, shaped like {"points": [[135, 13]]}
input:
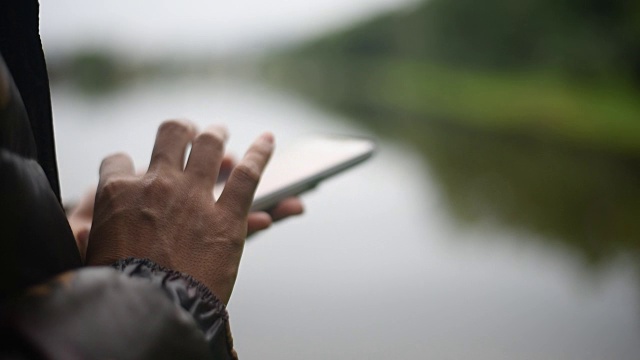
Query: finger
{"points": [[228, 162], [258, 221], [237, 195], [82, 240], [225, 168], [84, 208], [171, 145], [287, 207], [206, 155], [116, 165]]}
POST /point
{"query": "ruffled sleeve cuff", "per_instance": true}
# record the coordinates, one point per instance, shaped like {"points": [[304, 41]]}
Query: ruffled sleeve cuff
{"points": [[187, 293]]}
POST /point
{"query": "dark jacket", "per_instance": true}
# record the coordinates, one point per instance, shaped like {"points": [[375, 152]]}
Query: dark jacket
{"points": [[50, 306]]}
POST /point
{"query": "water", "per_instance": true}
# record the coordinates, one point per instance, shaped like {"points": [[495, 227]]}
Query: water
{"points": [[378, 267]]}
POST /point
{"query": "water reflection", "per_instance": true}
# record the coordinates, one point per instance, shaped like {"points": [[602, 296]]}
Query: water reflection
{"points": [[586, 201]]}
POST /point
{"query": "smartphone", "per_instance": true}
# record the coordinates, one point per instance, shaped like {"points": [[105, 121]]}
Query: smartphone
{"points": [[301, 166]]}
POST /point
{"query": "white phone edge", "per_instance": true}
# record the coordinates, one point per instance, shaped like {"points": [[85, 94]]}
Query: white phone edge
{"points": [[268, 201]]}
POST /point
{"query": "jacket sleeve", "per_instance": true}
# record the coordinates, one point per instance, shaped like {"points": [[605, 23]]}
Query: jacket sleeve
{"points": [[135, 310], [208, 312]]}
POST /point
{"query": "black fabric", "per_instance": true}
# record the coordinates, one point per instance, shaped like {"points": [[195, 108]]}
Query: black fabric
{"points": [[206, 309], [36, 241], [21, 48], [16, 135], [99, 313]]}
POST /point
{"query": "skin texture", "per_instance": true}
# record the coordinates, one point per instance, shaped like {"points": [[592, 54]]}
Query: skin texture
{"points": [[169, 214], [81, 215]]}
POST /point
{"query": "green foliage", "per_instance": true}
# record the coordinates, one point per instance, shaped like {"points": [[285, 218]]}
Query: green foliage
{"points": [[534, 104], [562, 69], [94, 72], [527, 112], [591, 39]]}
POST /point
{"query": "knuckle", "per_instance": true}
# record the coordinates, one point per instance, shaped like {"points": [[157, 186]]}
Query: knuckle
{"points": [[112, 187], [159, 185], [161, 157], [247, 173], [263, 150], [116, 157], [211, 140]]}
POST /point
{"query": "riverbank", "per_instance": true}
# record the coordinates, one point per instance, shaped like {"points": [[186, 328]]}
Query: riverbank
{"points": [[533, 104]]}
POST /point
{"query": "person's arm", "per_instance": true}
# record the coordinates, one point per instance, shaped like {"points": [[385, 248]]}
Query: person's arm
{"points": [[169, 214], [137, 308], [144, 311], [167, 217]]}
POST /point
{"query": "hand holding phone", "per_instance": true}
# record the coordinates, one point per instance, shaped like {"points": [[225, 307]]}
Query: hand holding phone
{"points": [[301, 166]]}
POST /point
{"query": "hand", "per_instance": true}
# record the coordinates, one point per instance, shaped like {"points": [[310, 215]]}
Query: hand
{"points": [[261, 220], [80, 218], [81, 214], [169, 214]]}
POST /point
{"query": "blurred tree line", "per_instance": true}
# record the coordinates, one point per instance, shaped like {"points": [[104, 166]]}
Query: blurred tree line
{"points": [[558, 69], [583, 39], [526, 112]]}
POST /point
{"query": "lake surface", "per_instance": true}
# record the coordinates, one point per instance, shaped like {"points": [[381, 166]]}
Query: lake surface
{"points": [[379, 267]]}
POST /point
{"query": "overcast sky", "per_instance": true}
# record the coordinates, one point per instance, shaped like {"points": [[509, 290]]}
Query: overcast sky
{"points": [[148, 27]]}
